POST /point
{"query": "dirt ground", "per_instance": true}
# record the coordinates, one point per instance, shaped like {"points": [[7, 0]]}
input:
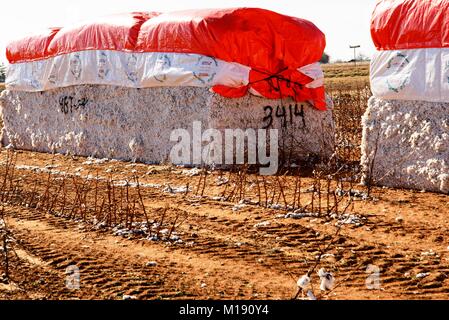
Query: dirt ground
{"points": [[224, 249]]}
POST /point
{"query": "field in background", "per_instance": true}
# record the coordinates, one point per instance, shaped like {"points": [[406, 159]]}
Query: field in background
{"points": [[349, 87], [165, 232], [345, 70], [346, 76]]}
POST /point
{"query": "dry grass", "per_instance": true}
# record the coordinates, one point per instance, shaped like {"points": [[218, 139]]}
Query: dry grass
{"points": [[346, 77], [344, 70], [349, 87]]}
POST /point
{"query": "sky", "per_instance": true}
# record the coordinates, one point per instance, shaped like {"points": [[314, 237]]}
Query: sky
{"points": [[344, 22]]}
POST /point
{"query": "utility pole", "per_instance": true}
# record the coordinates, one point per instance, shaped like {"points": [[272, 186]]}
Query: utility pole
{"points": [[355, 57]]}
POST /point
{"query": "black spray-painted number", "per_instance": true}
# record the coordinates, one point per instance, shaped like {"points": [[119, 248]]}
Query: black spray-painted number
{"points": [[69, 104], [286, 115]]}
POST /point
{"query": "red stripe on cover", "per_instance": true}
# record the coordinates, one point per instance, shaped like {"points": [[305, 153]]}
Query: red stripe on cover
{"points": [[114, 32], [31, 48]]}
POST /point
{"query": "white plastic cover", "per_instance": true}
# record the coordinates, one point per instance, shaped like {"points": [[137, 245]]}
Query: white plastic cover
{"points": [[414, 74], [137, 70], [315, 72]]}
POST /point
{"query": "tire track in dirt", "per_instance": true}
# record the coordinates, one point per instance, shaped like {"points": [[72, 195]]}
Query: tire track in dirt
{"points": [[99, 270], [293, 235], [111, 267], [365, 253], [111, 274]]}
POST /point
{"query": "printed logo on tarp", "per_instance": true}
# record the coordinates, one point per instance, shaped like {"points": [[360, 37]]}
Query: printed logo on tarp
{"points": [[206, 69], [76, 67], [373, 280], [400, 79], [131, 68], [162, 64], [72, 280], [35, 74], [207, 147], [446, 71], [53, 77], [103, 65]]}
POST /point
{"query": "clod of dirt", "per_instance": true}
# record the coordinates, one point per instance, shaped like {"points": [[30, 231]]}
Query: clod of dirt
{"points": [[151, 264], [328, 257], [432, 285], [192, 172], [238, 207], [422, 275], [262, 224], [437, 277], [300, 215], [429, 253], [399, 220]]}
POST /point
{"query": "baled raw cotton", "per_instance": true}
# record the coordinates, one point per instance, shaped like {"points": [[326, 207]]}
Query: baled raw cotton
{"points": [[406, 126], [406, 144], [118, 86], [135, 124]]}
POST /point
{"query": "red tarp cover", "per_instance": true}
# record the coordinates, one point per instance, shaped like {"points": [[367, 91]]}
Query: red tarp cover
{"points": [[410, 24], [31, 48], [114, 32], [268, 42]]}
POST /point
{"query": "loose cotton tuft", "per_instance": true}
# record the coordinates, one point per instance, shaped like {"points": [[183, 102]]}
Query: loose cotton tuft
{"points": [[303, 282], [327, 280]]}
